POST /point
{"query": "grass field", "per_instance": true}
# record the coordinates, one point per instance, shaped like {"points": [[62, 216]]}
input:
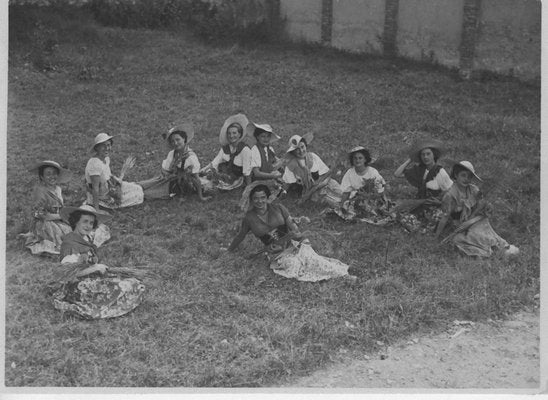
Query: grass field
{"points": [[217, 319]]}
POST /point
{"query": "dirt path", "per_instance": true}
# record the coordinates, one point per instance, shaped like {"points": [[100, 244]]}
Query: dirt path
{"points": [[494, 354]]}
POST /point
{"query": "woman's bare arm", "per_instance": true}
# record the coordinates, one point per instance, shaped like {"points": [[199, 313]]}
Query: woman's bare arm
{"points": [[398, 173]]}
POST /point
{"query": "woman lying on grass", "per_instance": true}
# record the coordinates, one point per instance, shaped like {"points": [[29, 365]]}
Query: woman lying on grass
{"points": [[86, 288], [47, 228], [307, 174], [179, 173], [422, 171], [232, 165], [362, 189], [464, 205], [290, 253], [103, 188]]}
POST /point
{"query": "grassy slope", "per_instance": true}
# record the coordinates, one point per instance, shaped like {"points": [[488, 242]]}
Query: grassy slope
{"points": [[212, 319]]}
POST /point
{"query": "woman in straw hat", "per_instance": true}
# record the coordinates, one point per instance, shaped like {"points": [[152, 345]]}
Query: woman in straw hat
{"points": [[362, 189], [88, 289], [290, 253], [264, 163], [103, 188], [179, 171], [463, 204], [232, 165], [47, 228], [307, 173], [422, 171]]}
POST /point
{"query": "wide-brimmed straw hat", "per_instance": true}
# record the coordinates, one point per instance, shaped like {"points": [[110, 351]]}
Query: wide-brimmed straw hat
{"points": [[296, 139], [252, 126], [239, 119], [186, 127], [101, 138], [356, 149], [101, 216], [64, 174], [468, 166], [419, 145]]}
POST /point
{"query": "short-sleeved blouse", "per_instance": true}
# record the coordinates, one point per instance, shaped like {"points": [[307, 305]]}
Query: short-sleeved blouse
{"points": [[242, 159], [318, 166], [425, 180], [96, 167], [354, 181], [191, 161], [256, 161], [459, 204], [47, 200]]}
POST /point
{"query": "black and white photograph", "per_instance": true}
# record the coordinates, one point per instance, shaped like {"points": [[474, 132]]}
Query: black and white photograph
{"points": [[304, 196]]}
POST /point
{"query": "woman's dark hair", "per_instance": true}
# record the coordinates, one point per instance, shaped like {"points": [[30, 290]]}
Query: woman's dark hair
{"points": [[43, 167], [259, 188], [258, 131], [365, 154], [237, 126], [105, 142], [75, 216], [180, 133], [456, 169], [435, 151]]}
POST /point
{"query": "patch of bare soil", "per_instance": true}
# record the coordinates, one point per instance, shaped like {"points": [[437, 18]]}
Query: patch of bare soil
{"points": [[492, 354]]}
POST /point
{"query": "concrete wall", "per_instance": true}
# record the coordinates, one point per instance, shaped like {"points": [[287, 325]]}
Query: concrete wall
{"points": [[358, 25], [302, 19], [509, 39], [506, 39], [430, 30]]}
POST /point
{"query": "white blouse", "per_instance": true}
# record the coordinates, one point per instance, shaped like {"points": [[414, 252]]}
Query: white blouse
{"points": [[191, 161], [353, 181], [243, 159], [317, 166]]}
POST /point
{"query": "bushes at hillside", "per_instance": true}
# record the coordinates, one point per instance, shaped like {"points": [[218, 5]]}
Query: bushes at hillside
{"points": [[36, 29], [213, 20]]}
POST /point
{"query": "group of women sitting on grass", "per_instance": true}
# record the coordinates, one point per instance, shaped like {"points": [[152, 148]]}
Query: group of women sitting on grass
{"points": [[247, 158]]}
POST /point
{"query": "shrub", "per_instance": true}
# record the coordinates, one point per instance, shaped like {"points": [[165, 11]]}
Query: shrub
{"points": [[37, 29], [150, 14]]}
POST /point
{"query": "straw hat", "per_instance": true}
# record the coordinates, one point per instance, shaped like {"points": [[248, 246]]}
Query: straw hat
{"points": [[185, 127], [239, 119], [468, 166], [296, 139], [357, 148], [64, 174], [419, 145], [101, 216], [252, 126], [101, 138]]}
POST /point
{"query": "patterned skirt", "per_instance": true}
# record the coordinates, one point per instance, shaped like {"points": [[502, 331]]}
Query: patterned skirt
{"points": [[479, 240], [46, 236], [124, 195], [301, 262], [95, 297]]}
